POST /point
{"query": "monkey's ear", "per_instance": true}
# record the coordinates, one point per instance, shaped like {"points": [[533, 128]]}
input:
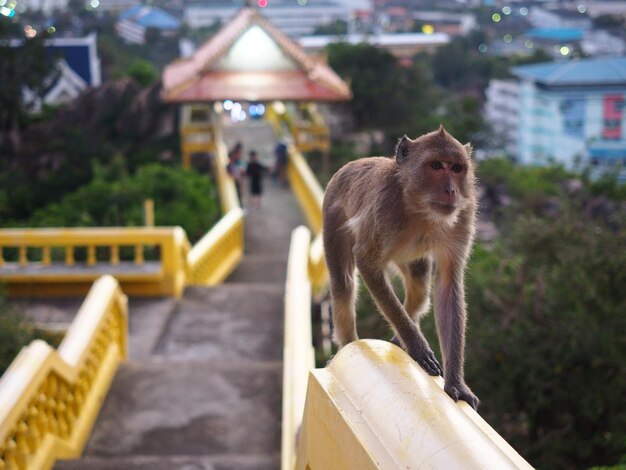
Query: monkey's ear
{"points": [[442, 130], [469, 149], [402, 149]]}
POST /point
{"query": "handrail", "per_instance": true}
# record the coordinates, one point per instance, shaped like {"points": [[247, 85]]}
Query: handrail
{"points": [[373, 407], [298, 352], [216, 254], [49, 399], [208, 262], [137, 275], [310, 195]]}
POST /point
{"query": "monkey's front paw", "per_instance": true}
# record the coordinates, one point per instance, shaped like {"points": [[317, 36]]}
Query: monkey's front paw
{"points": [[428, 361], [462, 392]]}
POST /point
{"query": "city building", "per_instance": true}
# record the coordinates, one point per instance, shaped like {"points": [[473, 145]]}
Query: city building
{"points": [[502, 113], [292, 18], [454, 24], [567, 112], [133, 23], [541, 17], [402, 45], [79, 68]]}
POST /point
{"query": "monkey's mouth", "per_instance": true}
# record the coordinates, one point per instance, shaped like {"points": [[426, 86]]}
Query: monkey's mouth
{"points": [[444, 207]]}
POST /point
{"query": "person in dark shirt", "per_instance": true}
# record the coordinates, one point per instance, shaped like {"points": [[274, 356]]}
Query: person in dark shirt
{"points": [[255, 172]]}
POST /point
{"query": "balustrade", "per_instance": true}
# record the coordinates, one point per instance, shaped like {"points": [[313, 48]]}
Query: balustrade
{"points": [[48, 398]]}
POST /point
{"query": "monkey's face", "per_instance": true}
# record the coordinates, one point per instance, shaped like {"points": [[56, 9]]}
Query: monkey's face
{"points": [[445, 177], [438, 174]]}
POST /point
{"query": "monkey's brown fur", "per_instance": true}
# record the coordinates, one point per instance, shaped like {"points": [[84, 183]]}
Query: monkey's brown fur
{"points": [[412, 211]]}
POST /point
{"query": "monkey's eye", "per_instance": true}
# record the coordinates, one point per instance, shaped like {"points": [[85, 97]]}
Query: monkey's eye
{"points": [[436, 165], [457, 168]]}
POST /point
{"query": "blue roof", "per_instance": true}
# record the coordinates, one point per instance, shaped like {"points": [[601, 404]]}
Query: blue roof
{"points": [[574, 72], [77, 57], [150, 17], [555, 34]]}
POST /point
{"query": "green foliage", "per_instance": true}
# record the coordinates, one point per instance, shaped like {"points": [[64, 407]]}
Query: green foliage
{"points": [[530, 186], [23, 65], [333, 28], [459, 65], [377, 81], [547, 339], [143, 72], [15, 333], [181, 197]]}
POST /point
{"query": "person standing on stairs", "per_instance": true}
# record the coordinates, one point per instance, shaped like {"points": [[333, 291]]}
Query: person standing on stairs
{"points": [[255, 172], [235, 168]]}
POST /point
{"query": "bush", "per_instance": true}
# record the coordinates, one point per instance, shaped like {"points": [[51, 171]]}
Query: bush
{"points": [[15, 333], [547, 338], [181, 197]]}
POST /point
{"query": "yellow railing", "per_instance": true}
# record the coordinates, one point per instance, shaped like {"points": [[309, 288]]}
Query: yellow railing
{"points": [[216, 254], [49, 399], [39, 271], [298, 353], [310, 195], [373, 407], [198, 132], [46, 261]]}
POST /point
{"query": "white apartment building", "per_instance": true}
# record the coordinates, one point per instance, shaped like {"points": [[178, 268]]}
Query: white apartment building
{"points": [[502, 113], [563, 111], [292, 18]]}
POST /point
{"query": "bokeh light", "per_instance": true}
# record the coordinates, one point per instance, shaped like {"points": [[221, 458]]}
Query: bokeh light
{"points": [[496, 17], [428, 29], [29, 31]]}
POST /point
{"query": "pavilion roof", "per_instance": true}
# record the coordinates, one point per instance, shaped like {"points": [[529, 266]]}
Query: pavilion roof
{"points": [[211, 74]]}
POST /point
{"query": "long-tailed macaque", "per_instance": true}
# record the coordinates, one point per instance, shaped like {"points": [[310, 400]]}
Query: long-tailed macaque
{"points": [[414, 211]]}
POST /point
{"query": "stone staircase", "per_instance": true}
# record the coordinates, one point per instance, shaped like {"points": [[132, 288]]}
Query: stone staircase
{"points": [[203, 386]]}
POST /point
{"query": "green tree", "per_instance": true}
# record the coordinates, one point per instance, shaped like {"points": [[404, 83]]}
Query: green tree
{"points": [[181, 197], [333, 28], [23, 65], [547, 338], [378, 82], [143, 72]]}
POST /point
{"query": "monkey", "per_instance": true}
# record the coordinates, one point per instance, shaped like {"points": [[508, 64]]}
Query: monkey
{"points": [[415, 211]]}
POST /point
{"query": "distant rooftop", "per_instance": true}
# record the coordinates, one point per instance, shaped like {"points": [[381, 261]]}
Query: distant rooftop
{"points": [[576, 72], [381, 40], [150, 17], [556, 34]]}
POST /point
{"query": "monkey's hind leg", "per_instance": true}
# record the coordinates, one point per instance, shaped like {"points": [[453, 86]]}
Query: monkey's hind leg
{"points": [[416, 277], [341, 271], [343, 294]]}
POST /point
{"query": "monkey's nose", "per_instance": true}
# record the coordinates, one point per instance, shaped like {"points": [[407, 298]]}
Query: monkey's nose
{"points": [[449, 189]]}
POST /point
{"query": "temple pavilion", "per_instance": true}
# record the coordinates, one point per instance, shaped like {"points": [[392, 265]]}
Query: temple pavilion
{"points": [[247, 60]]}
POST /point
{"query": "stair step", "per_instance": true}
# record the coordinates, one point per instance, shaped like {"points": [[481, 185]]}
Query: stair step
{"points": [[259, 269], [175, 409], [178, 462], [230, 322]]}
